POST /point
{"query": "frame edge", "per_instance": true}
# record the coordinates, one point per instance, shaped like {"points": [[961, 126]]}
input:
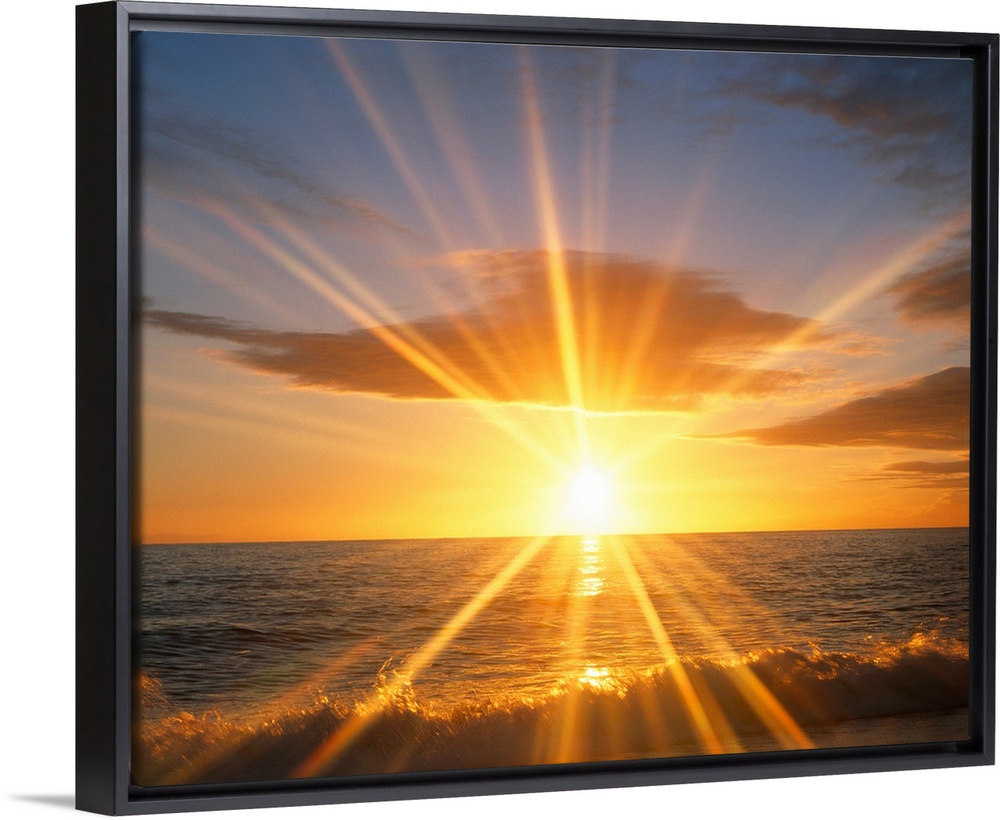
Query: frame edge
{"points": [[99, 662]]}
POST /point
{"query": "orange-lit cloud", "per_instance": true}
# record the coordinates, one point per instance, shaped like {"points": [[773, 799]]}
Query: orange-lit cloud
{"points": [[650, 338], [927, 413], [922, 474]]}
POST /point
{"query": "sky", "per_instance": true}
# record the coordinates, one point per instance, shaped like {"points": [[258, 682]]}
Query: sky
{"points": [[415, 289]]}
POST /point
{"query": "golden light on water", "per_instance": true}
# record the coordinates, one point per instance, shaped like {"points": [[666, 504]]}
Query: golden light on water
{"points": [[592, 580]]}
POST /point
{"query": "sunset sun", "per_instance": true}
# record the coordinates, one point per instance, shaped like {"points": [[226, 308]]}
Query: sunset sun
{"points": [[590, 500]]}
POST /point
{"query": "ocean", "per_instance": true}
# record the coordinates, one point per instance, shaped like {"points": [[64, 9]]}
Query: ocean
{"points": [[291, 660]]}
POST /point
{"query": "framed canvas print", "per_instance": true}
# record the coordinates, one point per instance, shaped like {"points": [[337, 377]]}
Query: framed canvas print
{"points": [[476, 404]]}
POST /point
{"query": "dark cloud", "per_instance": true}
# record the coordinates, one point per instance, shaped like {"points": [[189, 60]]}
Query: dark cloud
{"points": [[348, 362], [912, 117], [646, 338], [885, 98], [928, 413], [938, 294], [187, 154]]}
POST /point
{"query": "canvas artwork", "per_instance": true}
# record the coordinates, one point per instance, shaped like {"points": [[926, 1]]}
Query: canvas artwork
{"points": [[508, 405]]}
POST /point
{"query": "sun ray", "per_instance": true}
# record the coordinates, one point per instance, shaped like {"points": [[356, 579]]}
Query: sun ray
{"points": [[203, 762], [707, 733], [558, 277], [653, 306], [557, 741], [906, 259], [881, 277], [433, 92], [595, 176], [774, 716], [644, 328], [595, 167], [361, 718], [379, 123]]}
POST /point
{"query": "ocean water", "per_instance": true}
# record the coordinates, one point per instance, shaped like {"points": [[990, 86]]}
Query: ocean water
{"points": [[279, 660]]}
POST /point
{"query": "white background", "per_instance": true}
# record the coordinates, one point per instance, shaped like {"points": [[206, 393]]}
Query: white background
{"points": [[36, 459]]}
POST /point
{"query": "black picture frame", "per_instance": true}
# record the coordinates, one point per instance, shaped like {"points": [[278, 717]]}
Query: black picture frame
{"points": [[105, 392]]}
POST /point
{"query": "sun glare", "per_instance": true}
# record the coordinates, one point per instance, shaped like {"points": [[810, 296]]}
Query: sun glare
{"points": [[589, 502]]}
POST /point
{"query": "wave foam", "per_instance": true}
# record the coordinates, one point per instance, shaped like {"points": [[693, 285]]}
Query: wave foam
{"points": [[763, 700]]}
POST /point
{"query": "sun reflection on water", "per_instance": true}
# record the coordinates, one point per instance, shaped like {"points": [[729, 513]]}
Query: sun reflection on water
{"points": [[597, 677], [591, 568]]}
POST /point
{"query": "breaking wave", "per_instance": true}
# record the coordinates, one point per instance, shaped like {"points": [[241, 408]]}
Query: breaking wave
{"points": [[603, 715]]}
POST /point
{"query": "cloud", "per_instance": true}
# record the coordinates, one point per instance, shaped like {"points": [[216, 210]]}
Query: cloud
{"points": [[912, 117], [927, 474], [927, 413], [939, 294], [348, 362], [189, 154], [885, 98], [645, 337], [929, 467]]}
